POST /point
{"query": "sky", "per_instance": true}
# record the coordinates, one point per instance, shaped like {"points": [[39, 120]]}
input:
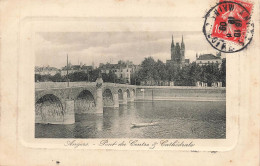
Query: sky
{"points": [[102, 47]]}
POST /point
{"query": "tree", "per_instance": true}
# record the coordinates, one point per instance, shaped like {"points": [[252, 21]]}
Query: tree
{"points": [[112, 77], [194, 73], [57, 78], [161, 71], [222, 77], [148, 71], [78, 76], [171, 72], [93, 75], [37, 78]]}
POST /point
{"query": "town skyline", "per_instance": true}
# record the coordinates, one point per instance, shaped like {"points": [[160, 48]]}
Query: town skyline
{"points": [[88, 48]]}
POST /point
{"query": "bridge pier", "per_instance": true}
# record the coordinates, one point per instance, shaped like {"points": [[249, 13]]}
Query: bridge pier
{"points": [[69, 116], [116, 102], [124, 97], [99, 102], [132, 97]]}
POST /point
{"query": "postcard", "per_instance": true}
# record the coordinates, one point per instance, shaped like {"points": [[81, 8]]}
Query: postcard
{"points": [[111, 79]]}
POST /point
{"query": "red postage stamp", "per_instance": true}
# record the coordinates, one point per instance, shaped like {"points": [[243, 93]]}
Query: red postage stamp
{"points": [[231, 21], [228, 26]]}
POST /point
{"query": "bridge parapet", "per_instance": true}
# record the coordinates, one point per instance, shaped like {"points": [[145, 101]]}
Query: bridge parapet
{"points": [[53, 85], [60, 85]]}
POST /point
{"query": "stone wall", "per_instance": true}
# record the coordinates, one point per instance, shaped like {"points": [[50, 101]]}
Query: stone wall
{"points": [[181, 93]]}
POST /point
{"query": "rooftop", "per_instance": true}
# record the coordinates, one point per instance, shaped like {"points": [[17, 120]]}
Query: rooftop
{"points": [[39, 69], [77, 67], [207, 57], [115, 66]]}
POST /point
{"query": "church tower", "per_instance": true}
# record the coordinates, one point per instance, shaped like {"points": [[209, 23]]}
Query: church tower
{"points": [[172, 49], [182, 51], [177, 58], [177, 54]]}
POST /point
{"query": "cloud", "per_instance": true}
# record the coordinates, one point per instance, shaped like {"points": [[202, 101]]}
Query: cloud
{"points": [[102, 47]]}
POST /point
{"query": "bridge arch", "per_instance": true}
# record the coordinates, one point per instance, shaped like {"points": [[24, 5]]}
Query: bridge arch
{"points": [[128, 93], [120, 94], [49, 109], [108, 100], [40, 94], [85, 102]]}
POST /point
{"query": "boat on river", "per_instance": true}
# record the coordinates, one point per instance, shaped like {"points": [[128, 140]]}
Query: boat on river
{"points": [[144, 124]]}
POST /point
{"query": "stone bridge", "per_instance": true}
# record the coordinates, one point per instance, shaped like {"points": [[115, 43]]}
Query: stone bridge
{"points": [[57, 102]]}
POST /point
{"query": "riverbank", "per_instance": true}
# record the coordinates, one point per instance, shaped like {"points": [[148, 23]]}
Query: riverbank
{"points": [[181, 93]]}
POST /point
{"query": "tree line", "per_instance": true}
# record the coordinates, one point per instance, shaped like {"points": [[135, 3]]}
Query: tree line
{"points": [[151, 70], [90, 76], [186, 76]]}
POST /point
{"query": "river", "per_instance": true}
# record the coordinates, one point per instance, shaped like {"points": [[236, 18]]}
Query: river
{"points": [[176, 119]]}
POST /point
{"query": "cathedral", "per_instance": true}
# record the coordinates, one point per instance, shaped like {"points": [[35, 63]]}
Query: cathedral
{"points": [[178, 54]]}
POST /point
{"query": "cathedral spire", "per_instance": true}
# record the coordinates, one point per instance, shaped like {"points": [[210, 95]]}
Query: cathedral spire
{"points": [[172, 42], [182, 43]]}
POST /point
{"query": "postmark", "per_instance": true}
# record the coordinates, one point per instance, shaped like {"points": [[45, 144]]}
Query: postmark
{"points": [[228, 26]]}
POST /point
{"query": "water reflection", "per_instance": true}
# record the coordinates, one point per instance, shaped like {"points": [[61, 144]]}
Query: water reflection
{"points": [[176, 119]]}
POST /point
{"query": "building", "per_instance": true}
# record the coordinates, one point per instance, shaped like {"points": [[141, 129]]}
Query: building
{"points": [[75, 68], [206, 59], [151, 82], [178, 55], [46, 70], [123, 70]]}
